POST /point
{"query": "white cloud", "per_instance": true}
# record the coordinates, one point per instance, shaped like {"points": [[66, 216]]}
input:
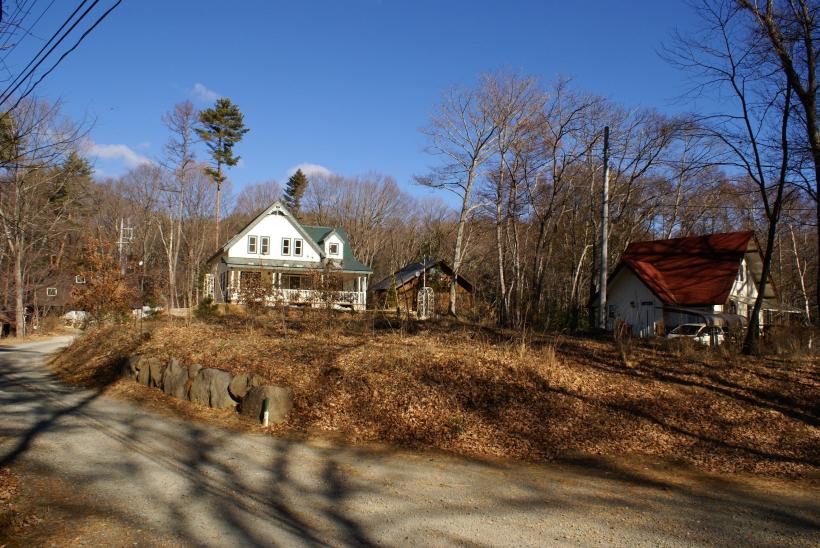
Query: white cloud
{"points": [[310, 170], [200, 94], [116, 152]]}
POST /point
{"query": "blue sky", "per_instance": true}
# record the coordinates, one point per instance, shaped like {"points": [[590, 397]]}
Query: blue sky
{"points": [[340, 84]]}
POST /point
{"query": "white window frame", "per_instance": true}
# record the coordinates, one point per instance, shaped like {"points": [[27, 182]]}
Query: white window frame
{"points": [[286, 246], [51, 291], [298, 247], [253, 245], [79, 279], [330, 247], [264, 245]]}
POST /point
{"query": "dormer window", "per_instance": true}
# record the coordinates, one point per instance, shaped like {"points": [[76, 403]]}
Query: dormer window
{"points": [[251, 244], [333, 249], [297, 247]]}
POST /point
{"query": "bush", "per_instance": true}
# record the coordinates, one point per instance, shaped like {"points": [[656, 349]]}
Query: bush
{"points": [[50, 324], [206, 308]]}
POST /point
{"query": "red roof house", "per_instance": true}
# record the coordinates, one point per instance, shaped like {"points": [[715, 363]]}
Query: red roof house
{"points": [[673, 281]]}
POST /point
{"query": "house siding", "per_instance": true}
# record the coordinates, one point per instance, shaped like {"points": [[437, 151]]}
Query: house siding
{"points": [[632, 302], [276, 227]]}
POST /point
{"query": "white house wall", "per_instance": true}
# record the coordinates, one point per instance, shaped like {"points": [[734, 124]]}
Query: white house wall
{"points": [[276, 227], [744, 290], [631, 301]]}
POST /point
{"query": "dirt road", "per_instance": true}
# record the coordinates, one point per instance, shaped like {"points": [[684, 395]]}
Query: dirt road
{"points": [[105, 472]]}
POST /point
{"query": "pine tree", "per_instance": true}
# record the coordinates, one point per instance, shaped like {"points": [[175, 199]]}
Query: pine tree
{"points": [[295, 189], [221, 127]]}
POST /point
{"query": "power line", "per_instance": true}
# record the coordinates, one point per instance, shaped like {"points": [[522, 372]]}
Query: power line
{"points": [[29, 31], [24, 75], [10, 22], [67, 52]]}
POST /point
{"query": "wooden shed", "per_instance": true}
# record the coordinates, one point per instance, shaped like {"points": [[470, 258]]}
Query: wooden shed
{"points": [[400, 289]]}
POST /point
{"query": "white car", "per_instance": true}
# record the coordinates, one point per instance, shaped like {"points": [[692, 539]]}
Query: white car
{"points": [[75, 317], [700, 332]]}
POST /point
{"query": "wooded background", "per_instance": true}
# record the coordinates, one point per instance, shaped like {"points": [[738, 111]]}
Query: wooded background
{"points": [[520, 159]]}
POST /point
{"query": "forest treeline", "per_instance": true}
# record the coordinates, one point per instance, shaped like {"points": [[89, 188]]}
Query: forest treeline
{"points": [[515, 164]]}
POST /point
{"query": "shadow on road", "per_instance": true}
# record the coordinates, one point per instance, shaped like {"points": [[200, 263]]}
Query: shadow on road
{"points": [[188, 482]]}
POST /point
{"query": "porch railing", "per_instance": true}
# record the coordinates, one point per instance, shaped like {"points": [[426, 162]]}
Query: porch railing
{"points": [[310, 296]]}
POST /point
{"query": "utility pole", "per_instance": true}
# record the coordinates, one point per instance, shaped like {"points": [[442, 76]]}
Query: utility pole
{"points": [[603, 273]]}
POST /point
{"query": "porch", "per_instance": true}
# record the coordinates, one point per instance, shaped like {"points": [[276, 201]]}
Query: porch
{"points": [[315, 289]]}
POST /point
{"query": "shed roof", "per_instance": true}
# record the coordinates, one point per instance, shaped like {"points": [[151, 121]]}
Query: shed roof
{"points": [[410, 271]]}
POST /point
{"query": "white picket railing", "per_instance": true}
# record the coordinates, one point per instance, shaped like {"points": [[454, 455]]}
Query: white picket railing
{"points": [[311, 296]]}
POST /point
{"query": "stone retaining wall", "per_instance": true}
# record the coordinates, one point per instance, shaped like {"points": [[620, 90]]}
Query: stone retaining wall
{"points": [[211, 387]]}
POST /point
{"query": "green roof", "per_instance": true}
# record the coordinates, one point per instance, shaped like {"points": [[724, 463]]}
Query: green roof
{"points": [[349, 262]]}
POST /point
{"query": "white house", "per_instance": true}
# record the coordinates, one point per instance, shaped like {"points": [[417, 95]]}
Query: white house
{"points": [[709, 279], [295, 259]]}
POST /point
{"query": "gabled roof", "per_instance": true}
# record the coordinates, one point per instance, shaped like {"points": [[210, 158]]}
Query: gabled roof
{"points": [[275, 206], [313, 235], [410, 271], [696, 270], [322, 233]]}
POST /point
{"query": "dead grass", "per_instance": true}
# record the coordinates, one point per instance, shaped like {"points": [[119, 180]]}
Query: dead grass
{"points": [[13, 518], [480, 392], [39, 335]]}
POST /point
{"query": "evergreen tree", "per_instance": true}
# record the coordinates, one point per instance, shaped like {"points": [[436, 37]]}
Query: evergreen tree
{"points": [[221, 127], [295, 189]]}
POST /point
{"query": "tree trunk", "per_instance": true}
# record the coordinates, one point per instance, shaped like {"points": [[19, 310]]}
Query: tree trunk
{"points": [[19, 292], [753, 332], [218, 195], [503, 312], [458, 251]]}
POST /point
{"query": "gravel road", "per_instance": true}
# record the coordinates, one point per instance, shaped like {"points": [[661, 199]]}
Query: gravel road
{"points": [[109, 472]]}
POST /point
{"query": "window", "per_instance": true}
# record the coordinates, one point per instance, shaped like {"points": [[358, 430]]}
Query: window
{"points": [[251, 244], [333, 249], [79, 280], [285, 246], [293, 282], [51, 291], [264, 245], [297, 247]]}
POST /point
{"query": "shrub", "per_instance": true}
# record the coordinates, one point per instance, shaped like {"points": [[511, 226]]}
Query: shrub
{"points": [[206, 308]]}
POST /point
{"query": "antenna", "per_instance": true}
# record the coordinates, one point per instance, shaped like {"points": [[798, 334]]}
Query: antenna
{"points": [[125, 239]]}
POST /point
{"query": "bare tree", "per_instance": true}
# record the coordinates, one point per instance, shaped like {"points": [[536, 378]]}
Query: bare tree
{"points": [[755, 132], [461, 132], [791, 29], [180, 121], [254, 198], [40, 168]]}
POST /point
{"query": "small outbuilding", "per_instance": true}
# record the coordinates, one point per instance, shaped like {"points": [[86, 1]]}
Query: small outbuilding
{"points": [[400, 290]]}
